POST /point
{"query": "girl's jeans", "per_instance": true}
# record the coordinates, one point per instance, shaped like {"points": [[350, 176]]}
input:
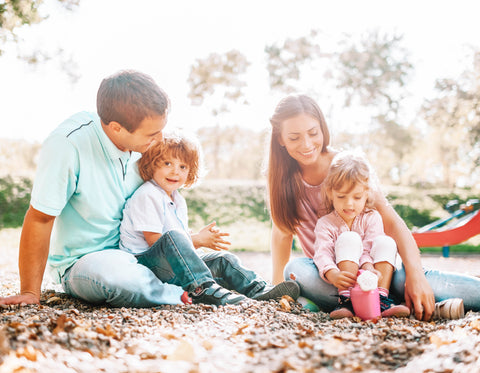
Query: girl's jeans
{"points": [[117, 278], [444, 285]]}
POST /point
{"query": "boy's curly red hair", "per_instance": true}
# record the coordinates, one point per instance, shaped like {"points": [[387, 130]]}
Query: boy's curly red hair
{"points": [[172, 145]]}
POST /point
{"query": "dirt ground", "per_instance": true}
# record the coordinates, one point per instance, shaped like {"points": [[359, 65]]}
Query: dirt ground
{"points": [[66, 335]]}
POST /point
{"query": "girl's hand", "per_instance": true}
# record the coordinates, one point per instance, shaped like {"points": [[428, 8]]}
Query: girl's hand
{"points": [[210, 236], [371, 268], [342, 280]]}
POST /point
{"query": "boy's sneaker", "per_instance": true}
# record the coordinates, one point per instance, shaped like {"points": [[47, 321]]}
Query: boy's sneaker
{"points": [[451, 309], [389, 309], [290, 288], [343, 309], [215, 294]]}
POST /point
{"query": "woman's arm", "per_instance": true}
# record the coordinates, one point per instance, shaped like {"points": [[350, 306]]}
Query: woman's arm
{"points": [[281, 247], [418, 292]]}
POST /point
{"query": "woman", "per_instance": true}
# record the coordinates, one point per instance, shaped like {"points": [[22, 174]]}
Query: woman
{"points": [[298, 163]]}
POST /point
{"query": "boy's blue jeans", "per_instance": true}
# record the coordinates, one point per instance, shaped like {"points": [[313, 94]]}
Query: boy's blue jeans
{"points": [[444, 285], [174, 260], [119, 279]]}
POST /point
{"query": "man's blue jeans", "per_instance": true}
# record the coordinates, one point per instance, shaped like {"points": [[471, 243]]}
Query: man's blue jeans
{"points": [[174, 260], [116, 278], [120, 279], [444, 285]]}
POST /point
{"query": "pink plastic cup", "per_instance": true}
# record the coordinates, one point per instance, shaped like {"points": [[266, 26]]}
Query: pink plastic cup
{"points": [[366, 304]]}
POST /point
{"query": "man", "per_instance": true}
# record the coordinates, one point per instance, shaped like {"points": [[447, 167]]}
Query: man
{"points": [[86, 172]]}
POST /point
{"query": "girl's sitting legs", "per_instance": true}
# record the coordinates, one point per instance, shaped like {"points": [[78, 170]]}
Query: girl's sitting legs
{"points": [[384, 252]]}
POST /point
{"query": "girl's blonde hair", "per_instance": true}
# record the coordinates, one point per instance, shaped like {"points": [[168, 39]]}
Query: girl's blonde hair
{"points": [[348, 169], [286, 189], [176, 145]]}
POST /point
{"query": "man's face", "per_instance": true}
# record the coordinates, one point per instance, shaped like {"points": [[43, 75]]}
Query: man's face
{"points": [[150, 129]]}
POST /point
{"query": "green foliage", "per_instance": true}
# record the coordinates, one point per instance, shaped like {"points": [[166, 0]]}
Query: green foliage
{"points": [[464, 248], [414, 217], [14, 201], [442, 199], [229, 203], [226, 204]]}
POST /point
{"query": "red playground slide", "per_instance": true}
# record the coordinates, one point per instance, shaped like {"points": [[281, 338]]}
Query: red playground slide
{"points": [[451, 236]]}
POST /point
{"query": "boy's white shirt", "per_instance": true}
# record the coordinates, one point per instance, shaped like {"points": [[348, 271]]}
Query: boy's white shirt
{"points": [[150, 209]]}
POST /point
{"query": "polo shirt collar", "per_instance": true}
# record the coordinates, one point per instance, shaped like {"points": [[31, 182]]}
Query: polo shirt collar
{"points": [[107, 144], [175, 193]]}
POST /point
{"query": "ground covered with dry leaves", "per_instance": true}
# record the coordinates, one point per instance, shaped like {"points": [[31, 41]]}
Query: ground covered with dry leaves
{"points": [[66, 335]]}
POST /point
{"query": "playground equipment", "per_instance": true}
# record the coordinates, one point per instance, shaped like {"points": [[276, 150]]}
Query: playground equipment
{"points": [[462, 224]]}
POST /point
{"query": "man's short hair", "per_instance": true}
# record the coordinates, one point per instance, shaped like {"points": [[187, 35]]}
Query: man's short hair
{"points": [[128, 97]]}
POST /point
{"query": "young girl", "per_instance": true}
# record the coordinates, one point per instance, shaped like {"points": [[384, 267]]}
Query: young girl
{"points": [[155, 230], [351, 235]]}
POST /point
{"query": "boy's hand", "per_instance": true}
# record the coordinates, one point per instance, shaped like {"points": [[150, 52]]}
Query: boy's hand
{"points": [[211, 237], [342, 280]]}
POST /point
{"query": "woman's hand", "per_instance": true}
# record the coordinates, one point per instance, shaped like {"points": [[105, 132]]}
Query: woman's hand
{"points": [[419, 296]]}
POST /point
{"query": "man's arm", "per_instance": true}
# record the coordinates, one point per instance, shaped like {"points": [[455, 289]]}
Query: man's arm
{"points": [[33, 254], [418, 292]]}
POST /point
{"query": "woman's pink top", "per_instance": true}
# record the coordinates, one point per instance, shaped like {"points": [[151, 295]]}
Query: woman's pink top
{"points": [[310, 210], [368, 225]]}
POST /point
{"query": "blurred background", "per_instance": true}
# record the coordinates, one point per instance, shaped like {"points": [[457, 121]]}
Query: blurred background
{"points": [[399, 80]]}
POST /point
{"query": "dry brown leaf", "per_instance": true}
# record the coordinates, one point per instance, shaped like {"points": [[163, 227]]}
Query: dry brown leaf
{"points": [[54, 300], [108, 331], [4, 345], [285, 305], [61, 321], [28, 352], [169, 336], [475, 324], [303, 344], [184, 352], [347, 337], [334, 347], [240, 329], [438, 341], [277, 343]]}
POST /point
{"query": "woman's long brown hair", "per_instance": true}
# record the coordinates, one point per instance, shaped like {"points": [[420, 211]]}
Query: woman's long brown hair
{"points": [[285, 185]]}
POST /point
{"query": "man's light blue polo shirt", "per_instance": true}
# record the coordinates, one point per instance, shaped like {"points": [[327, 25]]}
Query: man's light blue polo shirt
{"points": [[84, 180]]}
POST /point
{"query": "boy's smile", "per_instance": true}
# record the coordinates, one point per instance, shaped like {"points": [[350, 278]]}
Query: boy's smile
{"points": [[170, 174]]}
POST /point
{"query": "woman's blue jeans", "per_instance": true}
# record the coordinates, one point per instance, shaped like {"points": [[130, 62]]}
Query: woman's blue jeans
{"points": [[444, 285], [156, 277]]}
